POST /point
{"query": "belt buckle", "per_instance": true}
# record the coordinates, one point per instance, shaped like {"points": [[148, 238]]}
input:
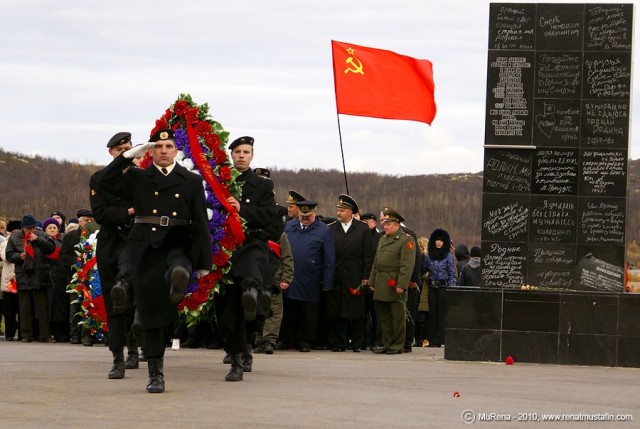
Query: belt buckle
{"points": [[164, 220]]}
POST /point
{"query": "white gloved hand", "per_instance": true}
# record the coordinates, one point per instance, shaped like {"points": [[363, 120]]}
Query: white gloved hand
{"points": [[138, 151], [202, 273]]}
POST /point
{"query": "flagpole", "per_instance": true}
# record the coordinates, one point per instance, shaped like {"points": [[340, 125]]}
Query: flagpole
{"points": [[344, 168]]}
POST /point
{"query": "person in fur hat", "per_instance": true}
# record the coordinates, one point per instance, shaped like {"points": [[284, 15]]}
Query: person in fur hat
{"points": [[442, 273]]}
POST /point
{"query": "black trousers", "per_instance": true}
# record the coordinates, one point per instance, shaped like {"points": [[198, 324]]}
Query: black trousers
{"points": [[10, 310], [153, 343], [110, 272], [345, 332], [299, 322], [413, 299], [437, 315], [34, 302]]}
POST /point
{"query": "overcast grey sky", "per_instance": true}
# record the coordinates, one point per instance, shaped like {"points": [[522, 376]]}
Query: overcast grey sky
{"points": [[73, 73]]}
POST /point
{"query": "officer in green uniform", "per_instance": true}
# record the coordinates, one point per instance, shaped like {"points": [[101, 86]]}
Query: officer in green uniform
{"points": [[390, 277]]}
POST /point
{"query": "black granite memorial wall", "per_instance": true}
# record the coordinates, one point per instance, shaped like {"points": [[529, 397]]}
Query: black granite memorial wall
{"points": [[556, 145], [554, 192]]}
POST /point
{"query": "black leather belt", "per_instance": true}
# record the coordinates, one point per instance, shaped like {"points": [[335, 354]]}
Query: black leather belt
{"points": [[162, 220]]}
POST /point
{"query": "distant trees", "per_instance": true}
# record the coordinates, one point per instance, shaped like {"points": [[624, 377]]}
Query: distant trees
{"points": [[451, 201]]}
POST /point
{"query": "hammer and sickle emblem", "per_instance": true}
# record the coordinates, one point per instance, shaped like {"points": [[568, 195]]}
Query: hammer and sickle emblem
{"points": [[357, 68]]}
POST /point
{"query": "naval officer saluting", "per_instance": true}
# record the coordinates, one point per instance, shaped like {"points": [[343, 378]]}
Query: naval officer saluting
{"points": [[169, 238]]}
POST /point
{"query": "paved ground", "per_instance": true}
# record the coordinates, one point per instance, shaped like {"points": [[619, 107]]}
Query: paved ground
{"points": [[65, 386]]}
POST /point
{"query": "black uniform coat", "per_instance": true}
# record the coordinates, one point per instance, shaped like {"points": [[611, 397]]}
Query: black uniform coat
{"points": [[354, 257], [111, 212], [249, 262], [257, 208], [180, 195]]}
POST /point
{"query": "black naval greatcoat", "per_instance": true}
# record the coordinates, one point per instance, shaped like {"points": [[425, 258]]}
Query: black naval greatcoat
{"points": [[257, 208], [249, 262], [111, 213], [179, 196], [354, 257]]}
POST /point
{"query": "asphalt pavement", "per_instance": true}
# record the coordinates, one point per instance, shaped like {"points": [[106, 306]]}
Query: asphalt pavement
{"points": [[66, 386]]}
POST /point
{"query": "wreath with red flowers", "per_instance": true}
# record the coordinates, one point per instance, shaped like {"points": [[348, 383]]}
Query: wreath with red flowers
{"points": [[85, 284], [201, 142]]}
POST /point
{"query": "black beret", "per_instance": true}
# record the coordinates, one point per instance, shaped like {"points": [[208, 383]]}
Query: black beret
{"points": [[118, 139], [241, 140], [390, 215], [264, 172], [294, 197], [165, 134], [346, 202], [84, 212], [367, 216]]}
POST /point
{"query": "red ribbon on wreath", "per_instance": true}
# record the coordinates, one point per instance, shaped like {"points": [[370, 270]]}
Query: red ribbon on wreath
{"points": [[207, 172]]}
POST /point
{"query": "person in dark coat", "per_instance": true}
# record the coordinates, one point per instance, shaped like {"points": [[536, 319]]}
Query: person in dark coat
{"points": [[354, 256], [115, 216], [169, 240], [68, 260], [442, 274], [58, 296], [470, 274], [249, 262], [314, 258], [371, 328], [461, 253], [28, 250]]}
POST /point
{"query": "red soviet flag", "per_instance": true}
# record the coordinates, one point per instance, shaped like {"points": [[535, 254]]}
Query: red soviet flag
{"points": [[382, 84]]}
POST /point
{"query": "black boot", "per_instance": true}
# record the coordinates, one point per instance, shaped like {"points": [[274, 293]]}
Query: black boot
{"points": [[265, 302], [247, 359], [136, 327], [119, 297], [117, 370], [156, 376], [179, 281], [235, 374], [133, 357], [249, 303], [133, 360]]}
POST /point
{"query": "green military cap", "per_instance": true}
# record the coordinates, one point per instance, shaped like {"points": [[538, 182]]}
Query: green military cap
{"points": [[390, 215]]}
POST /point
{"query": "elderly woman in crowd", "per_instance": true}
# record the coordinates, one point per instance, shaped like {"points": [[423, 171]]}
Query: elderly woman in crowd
{"points": [[28, 249], [58, 297]]}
